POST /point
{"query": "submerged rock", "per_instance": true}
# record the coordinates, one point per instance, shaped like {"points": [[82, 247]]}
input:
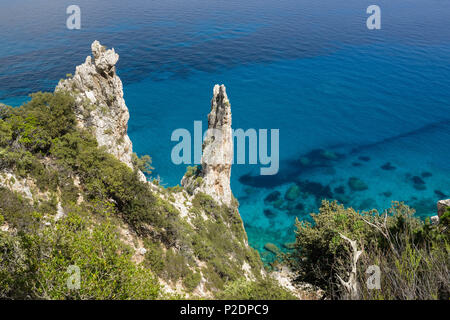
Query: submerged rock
{"points": [[269, 213], [292, 193], [250, 191], [417, 180], [388, 166], [318, 158], [329, 155], [291, 168], [298, 210], [424, 207], [387, 194], [339, 190], [419, 187], [364, 158], [368, 204], [418, 183], [343, 199], [316, 189], [439, 193], [426, 174], [330, 171], [357, 184], [279, 204], [289, 245], [271, 247], [272, 197], [265, 256], [305, 161]]}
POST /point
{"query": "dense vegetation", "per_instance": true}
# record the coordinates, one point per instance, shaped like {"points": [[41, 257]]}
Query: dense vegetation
{"points": [[35, 263], [413, 256], [82, 198], [98, 194]]}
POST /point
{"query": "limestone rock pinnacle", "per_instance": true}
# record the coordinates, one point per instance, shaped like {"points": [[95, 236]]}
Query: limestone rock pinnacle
{"points": [[217, 151], [100, 106]]}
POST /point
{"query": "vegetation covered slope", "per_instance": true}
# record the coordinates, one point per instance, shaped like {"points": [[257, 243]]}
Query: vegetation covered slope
{"points": [[411, 255], [66, 202]]}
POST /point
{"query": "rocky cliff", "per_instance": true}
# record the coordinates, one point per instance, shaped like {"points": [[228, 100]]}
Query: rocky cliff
{"points": [[217, 154], [101, 109], [54, 178], [100, 106], [199, 235]]}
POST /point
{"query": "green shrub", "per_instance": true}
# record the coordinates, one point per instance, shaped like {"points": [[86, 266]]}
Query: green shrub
{"points": [[175, 189], [37, 263], [192, 171], [191, 281], [412, 255], [16, 210], [5, 133], [154, 257], [143, 163]]}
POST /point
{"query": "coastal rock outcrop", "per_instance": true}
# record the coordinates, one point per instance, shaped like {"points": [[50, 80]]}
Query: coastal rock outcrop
{"points": [[217, 154], [442, 205], [191, 243], [100, 105]]}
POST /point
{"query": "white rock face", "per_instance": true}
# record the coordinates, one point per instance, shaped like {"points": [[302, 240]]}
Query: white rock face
{"points": [[142, 251], [303, 291], [100, 106], [23, 186], [217, 151], [59, 212], [434, 219]]}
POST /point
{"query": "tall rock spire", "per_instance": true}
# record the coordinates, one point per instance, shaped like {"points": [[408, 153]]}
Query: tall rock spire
{"points": [[217, 151], [100, 106]]}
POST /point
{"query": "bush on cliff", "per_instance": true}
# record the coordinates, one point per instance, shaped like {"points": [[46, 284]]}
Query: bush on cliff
{"points": [[412, 255], [44, 128], [37, 265]]}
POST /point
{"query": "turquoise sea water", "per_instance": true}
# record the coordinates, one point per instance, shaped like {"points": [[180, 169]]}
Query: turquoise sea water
{"points": [[378, 99]]}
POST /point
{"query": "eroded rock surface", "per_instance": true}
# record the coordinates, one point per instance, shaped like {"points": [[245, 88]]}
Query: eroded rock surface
{"points": [[217, 151], [442, 205], [100, 105]]}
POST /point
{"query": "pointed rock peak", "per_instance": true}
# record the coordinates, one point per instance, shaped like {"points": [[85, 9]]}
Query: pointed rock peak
{"points": [[217, 152], [104, 60], [220, 114], [100, 106], [218, 143]]}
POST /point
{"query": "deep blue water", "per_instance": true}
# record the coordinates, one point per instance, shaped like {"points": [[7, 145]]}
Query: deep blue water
{"points": [[310, 68]]}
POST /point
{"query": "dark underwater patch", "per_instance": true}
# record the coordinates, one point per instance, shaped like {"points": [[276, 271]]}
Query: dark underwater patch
{"points": [[388, 166]]}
